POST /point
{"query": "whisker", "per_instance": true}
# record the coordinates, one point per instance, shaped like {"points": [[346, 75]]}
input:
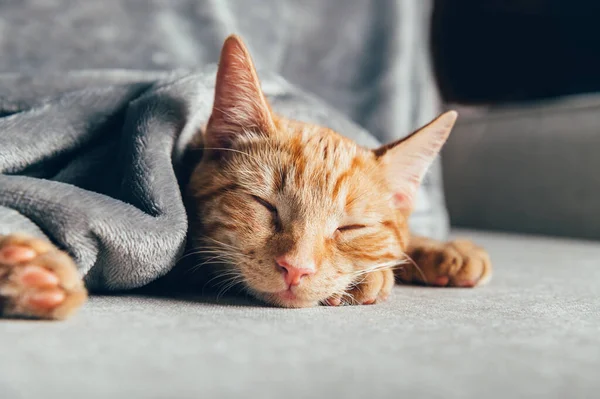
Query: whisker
{"points": [[225, 274], [348, 295], [206, 252], [410, 260], [216, 261], [223, 246], [220, 243], [195, 252], [381, 266], [232, 283]]}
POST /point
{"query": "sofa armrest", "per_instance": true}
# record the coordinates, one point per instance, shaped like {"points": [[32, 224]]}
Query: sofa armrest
{"points": [[529, 168]]}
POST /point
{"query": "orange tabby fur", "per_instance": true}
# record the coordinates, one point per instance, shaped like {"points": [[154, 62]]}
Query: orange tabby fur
{"points": [[272, 196]]}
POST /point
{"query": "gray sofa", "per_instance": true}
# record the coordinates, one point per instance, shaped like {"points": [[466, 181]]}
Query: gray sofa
{"points": [[530, 167]]}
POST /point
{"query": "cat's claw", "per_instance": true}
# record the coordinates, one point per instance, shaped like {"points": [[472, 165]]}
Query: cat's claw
{"points": [[37, 280]]}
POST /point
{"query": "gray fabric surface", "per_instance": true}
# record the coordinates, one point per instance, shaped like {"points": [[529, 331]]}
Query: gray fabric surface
{"points": [[529, 168], [93, 167], [532, 333], [367, 59]]}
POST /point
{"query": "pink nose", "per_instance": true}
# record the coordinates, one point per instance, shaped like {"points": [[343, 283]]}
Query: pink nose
{"points": [[292, 274]]}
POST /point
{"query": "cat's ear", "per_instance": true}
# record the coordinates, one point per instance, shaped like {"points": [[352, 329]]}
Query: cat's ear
{"points": [[406, 161], [239, 105]]}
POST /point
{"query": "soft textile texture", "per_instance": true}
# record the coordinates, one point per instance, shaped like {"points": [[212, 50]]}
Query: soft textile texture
{"points": [[532, 333]]}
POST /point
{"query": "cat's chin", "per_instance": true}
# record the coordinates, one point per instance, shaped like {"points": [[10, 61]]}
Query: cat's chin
{"points": [[287, 299]]}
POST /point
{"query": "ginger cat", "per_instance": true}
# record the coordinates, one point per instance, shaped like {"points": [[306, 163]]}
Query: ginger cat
{"points": [[295, 213]]}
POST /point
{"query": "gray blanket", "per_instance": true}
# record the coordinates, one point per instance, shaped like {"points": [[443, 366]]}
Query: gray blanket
{"points": [[92, 159]]}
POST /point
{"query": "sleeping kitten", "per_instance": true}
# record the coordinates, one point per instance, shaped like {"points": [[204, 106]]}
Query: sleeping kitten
{"points": [[295, 213]]}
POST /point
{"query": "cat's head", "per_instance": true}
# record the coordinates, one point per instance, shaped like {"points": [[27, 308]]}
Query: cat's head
{"points": [[293, 211]]}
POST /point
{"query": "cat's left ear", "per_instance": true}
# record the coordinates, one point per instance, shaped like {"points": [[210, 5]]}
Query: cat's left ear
{"points": [[406, 161], [239, 105]]}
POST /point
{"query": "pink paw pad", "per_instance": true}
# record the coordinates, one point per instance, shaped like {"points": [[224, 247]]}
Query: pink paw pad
{"points": [[16, 254], [47, 299], [37, 276], [37, 280]]}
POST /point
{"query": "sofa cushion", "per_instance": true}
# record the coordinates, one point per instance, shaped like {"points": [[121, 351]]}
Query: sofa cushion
{"points": [[529, 168]]}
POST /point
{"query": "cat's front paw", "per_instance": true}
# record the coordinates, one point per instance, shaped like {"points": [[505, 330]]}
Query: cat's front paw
{"points": [[370, 288], [458, 263], [37, 280]]}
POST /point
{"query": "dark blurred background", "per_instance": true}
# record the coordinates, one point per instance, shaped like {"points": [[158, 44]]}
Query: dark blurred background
{"points": [[499, 51]]}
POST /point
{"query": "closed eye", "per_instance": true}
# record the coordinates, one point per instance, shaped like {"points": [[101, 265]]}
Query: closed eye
{"points": [[351, 227], [270, 207]]}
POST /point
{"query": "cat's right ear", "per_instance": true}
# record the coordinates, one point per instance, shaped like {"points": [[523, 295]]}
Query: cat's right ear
{"points": [[240, 106], [405, 161]]}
